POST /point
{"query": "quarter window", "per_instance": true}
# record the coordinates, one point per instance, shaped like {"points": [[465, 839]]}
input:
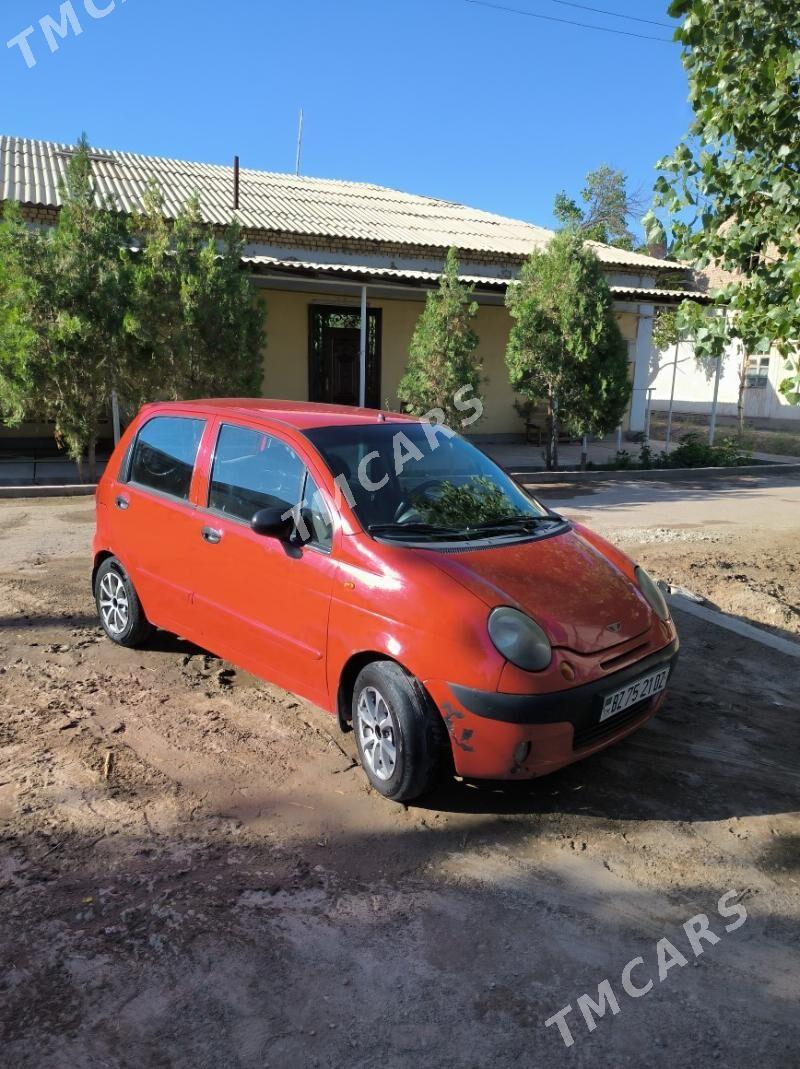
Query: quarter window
{"points": [[316, 528], [164, 454], [253, 471]]}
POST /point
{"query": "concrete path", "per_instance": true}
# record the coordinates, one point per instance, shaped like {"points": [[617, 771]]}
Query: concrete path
{"points": [[771, 500], [521, 456]]}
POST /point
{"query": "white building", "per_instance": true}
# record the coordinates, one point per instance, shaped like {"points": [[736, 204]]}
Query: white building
{"points": [[694, 384]]}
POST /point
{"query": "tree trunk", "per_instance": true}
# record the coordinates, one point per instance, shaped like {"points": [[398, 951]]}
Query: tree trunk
{"points": [[584, 452], [91, 456], [548, 452], [740, 407], [740, 399], [553, 433]]}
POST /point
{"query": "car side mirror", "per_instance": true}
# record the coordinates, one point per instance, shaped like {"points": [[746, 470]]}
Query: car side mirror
{"points": [[273, 523]]}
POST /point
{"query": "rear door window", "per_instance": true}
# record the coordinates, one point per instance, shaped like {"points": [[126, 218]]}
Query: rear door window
{"points": [[164, 454], [253, 471]]}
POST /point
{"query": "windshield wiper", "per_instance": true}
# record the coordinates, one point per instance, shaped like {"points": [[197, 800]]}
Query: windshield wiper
{"points": [[523, 522], [413, 529]]}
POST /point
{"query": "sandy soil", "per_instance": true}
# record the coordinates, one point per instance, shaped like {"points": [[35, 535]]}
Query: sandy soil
{"points": [[755, 576], [194, 874]]}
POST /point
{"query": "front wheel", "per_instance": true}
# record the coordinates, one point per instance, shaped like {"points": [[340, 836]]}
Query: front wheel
{"points": [[118, 606], [398, 736]]}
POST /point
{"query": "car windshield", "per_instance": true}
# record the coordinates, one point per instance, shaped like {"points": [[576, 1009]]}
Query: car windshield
{"points": [[418, 482]]}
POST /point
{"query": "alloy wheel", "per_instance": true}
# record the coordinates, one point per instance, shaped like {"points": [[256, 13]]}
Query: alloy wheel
{"points": [[114, 603], [376, 733]]}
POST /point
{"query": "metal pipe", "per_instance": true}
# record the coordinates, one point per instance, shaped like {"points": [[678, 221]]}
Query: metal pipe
{"points": [[362, 352], [647, 416], [236, 183], [672, 396], [712, 426], [299, 154]]}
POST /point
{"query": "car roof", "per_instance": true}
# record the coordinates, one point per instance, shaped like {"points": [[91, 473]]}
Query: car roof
{"points": [[303, 415]]}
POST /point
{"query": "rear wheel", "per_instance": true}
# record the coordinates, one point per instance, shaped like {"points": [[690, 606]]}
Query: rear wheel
{"points": [[398, 736], [121, 614]]}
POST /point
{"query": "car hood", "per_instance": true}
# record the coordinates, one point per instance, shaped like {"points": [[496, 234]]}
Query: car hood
{"points": [[582, 600]]}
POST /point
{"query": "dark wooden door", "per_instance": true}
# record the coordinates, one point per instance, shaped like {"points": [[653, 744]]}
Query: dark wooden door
{"points": [[343, 365], [334, 337]]}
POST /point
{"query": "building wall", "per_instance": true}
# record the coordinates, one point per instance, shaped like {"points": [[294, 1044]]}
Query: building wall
{"points": [[694, 386], [286, 354]]}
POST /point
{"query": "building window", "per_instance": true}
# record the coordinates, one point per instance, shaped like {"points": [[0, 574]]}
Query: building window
{"points": [[757, 372], [334, 339]]}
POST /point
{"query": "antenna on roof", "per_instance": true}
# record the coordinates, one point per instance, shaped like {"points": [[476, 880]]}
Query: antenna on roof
{"points": [[299, 144], [236, 183]]}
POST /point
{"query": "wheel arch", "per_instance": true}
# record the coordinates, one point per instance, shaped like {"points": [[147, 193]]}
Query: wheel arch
{"points": [[99, 557], [347, 681]]}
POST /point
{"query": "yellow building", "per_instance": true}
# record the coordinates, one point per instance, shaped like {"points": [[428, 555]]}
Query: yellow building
{"points": [[330, 256]]}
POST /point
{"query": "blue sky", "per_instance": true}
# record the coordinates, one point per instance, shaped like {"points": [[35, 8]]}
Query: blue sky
{"points": [[441, 97]]}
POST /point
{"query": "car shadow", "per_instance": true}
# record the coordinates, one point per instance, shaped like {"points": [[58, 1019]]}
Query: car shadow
{"points": [[723, 745], [19, 621], [167, 642]]}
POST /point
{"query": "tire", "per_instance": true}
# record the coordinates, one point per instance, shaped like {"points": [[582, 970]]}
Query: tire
{"points": [[405, 763], [118, 607]]}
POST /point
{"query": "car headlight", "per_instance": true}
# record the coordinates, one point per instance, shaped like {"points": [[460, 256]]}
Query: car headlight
{"points": [[652, 592], [519, 639]]}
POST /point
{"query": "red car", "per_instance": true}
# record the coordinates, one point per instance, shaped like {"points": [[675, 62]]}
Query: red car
{"points": [[387, 570]]}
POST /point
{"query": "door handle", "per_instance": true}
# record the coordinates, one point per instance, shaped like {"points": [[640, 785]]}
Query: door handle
{"points": [[211, 535], [121, 502]]}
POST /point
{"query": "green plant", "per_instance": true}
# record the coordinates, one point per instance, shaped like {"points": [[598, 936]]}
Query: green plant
{"points": [[194, 325], [82, 316], [565, 346], [474, 502], [18, 300], [731, 452], [695, 452], [443, 362], [665, 328], [608, 208], [647, 458], [730, 190], [79, 281]]}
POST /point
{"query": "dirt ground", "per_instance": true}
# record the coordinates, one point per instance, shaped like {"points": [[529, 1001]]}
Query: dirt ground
{"points": [[193, 872]]}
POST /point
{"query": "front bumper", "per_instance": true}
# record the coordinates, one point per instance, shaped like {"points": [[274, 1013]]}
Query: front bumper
{"points": [[485, 727]]}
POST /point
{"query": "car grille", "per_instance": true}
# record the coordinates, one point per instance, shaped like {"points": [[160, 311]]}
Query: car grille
{"points": [[619, 659], [593, 733]]}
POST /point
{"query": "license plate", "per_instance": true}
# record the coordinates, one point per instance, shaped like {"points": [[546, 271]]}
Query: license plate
{"points": [[645, 687]]}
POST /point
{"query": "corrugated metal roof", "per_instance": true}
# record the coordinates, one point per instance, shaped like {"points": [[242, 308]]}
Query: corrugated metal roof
{"points": [[30, 172], [370, 271], [658, 296], [357, 271]]}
